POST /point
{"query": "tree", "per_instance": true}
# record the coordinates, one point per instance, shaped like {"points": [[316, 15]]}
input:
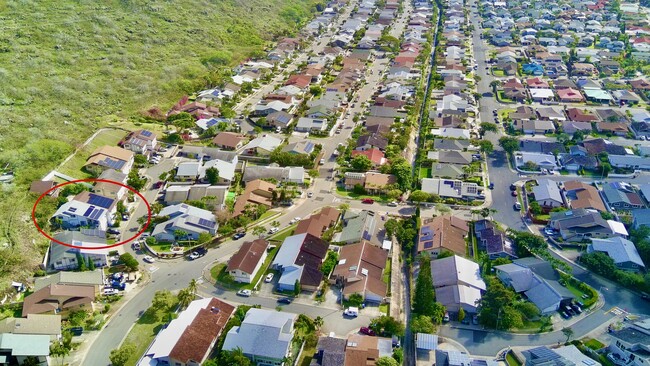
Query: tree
{"points": [[81, 262], [296, 288], [204, 238], [418, 196], [461, 314], [259, 231], [535, 208], [401, 169], [318, 322], [91, 264], [494, 304], [530, 166], [313, 173], [393, 194], [568, 332], [180, 234], [343, 207], [361, 163], [424, 298], [386, 325], [275, 223], [120, 356], [162, 301], [386, 361], [355, 299], [485, 146], [438, 313], [234, 358], [509, 144], [129, 261], [398, 355], [487, 127], [63, 347], [212, 175], [422, 324], [185, 297], [135, 181], [391, 226]]}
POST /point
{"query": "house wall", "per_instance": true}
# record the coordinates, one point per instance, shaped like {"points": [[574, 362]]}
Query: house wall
{"points": [[623, 350], [549, 203], [66, 264], [241, 276]]}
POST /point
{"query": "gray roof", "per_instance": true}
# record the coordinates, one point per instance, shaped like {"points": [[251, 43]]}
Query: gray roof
{"points": [[331, 350], [454, 157], [263, 333], [188, 168], [449, 144], [295, 173], [426, 341], [619, 249], [642, 216], [447, 170], [95, 277], [456, 270], [78, 238], [547, 190], [355, 223]]}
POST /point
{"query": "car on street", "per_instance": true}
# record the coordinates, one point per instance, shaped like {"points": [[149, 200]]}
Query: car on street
{"points": [[197, 254], [157, 185], [239, 235], [285, 300], [517, 206], [149, 259], [368, 201], [491, 186], [244, 293], [273, 230], [367, 331], [310, 194], [392, 204], [322, 162], [125, 217], [136, 246], [351, 312], [113, 231], [514, 194], [549, 231], [513, 187], [269, 278], [564, 315]]}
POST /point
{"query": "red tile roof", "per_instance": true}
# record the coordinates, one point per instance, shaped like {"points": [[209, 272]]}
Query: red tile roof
{"points": [[375, 155]]}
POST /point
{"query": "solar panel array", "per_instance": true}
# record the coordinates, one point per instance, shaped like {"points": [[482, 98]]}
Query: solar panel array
{"points": [[146, 133], [113, 164], [309, 147], [207, 223], [100, 201], [93, 213], [428, 244], [426, 233]]}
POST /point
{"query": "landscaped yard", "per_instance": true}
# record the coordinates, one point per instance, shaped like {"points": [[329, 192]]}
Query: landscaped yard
{"points": [[425, 172], [384, 308], [282, 234], [143, 333], [504, 113], [498, 72], [511, 360], [575, 290], [106, 137], [386, 277], [350, 194], [220, 275], [594, 344], [503, 98]]}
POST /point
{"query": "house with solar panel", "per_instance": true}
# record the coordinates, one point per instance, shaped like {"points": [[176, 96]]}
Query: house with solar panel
{"points": [[109, 157], [74, 215], [140, 141], [97, 200], [64, 258], [189, 219]]}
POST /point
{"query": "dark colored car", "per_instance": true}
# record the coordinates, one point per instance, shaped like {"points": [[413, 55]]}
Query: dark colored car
{"points": [[158, 184], [367, 331], [113, 231], [514, 193], [513, 187], [369, 201], [201, 251], [491, 186], [238, 235], [285, 300], [76, 331]]}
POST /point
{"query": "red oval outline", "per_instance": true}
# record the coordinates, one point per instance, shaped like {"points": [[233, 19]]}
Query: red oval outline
{"points": [[40, 230]]}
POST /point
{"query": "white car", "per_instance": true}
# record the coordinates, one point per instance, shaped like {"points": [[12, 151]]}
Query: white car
{"points": [[269, 278], [273, 230], [310, 194], [244, 293], [110, 291], [149, 259]]}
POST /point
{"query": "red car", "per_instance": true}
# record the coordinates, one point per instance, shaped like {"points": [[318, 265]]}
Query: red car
{"points": [[157, 185], [514, 193], [369, 201], [367, 331]]}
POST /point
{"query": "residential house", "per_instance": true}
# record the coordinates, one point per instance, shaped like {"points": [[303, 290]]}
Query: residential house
{"points": [[293, 174], [581, 115], [376, 183], [35, 324], [547, 194], [541, 147], [317, 224], [300, 147], [375, 156], [63, 291], [622, 195], [257, 192], [229, 140], [537, 281], [597, 96], [21, 349], [493, 241], [569, 95], [451, 157], [86, 243], [330, 351], [458, 283], [454, 133], [453, 171], [541, 95], [631, 343], [372, 140], [450, 188], [580, 224], [312, 125], [353, 179], [622, 251], [183, 218], [640, 218], [357, 226], [624, 97], [280, 119], [40, 187], [614, 128], [247, 261], [458, 358], [611, 115], [140, 142], [299, 260], [583, 195], [262, 146], [537, 126], [583, 69], [571, 127], [597, 146], [559, 356], [449, 144], [175, 194], [443, 233], [75, 214], [543, 161], [109, 157], [106, 187], [366, 350], [264, 336], [107, 203], [629, 162], [360, 271], [551, 114], [537, 83], [189, 339]]}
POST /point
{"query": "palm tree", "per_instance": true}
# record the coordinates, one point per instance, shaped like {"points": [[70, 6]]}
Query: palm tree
{"points": [[259, 230], [318, 322], [193, 286], [185, 297], [486, 212], [343, 207], [275, 223]]}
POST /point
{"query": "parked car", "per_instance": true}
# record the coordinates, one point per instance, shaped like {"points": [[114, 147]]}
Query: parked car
{"points": [[513, 187], [285, 300], [321, 162], [269, 278], [149, 259], [110, 291], [136, 246], [392, 204], [157, 185], [491, 186], [310, 194], [193, 256], [238, 235], [514, 193], [549, 231], [517, 206], [273, 230], [367, 331], [125, 217], [351, 312], [368, 201], [113, 231], [446, 317], [244, 293]]}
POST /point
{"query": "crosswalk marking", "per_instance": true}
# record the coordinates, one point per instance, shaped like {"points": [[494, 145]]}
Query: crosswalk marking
{"points": [[617, 311]]}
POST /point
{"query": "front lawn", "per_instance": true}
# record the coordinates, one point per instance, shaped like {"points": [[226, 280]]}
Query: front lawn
{"points": [[425, 172], [143, 333], [594, 344], [222, 277], [511, 360], [384, 308], [498, 72], [356, 196], [503, 98]]}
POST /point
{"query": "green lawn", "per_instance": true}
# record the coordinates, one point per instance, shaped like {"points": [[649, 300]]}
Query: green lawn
{"points": [[425, 172], [503, 98], [352, 195], [384, 308], [504, 113], [143, 333], [386, 277], [594, 344], [266, 215], [282, 234], [498, 72], [575, 290], [73, 166], [219, 274]]}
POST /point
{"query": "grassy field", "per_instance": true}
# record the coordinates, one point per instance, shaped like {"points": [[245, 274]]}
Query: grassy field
{"points": [[71, 67], [106, 137], [143, 333]]}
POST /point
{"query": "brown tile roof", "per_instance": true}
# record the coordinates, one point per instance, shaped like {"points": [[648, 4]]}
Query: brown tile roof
{"points": [[317, 224], [228, 139], [446, 232], [248, 256], [257, 192], [379, 180], [361, 350], [356, 258], [196, 341], [579, 115], [53, 296], [611, 127], [109, 151], [42, 186], [587, 196], [301, 81]]}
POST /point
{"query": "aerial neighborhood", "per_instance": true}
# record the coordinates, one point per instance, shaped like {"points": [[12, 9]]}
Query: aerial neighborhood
{"points": [[449, 182]]}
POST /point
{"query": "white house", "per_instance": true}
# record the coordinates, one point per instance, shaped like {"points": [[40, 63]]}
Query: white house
{"points": [[64, 258], [182, 217], [248, 260], [75, 214]]}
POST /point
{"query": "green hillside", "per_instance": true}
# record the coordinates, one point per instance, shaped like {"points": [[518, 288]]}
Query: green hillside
{"points": [[67, 67]]}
